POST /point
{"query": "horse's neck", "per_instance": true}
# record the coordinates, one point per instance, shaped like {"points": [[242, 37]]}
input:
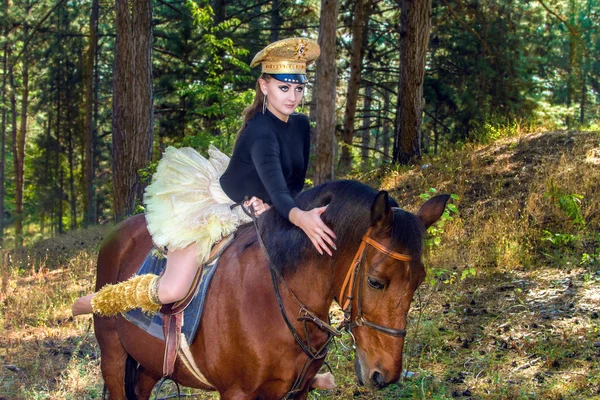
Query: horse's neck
{"points": [[317, 283], [313, 286]]}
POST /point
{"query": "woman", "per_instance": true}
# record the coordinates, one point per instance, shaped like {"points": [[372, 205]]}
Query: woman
{"points": [[188, 204]]}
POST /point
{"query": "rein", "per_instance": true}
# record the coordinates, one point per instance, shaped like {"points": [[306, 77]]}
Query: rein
{"points": [[304, 315], [345, 300]]}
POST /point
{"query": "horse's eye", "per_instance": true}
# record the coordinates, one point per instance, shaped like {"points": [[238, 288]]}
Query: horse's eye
{"points": [[375, 284]]}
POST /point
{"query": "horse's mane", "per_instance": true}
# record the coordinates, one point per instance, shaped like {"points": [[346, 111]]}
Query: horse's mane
{"points": [[348, 215]]}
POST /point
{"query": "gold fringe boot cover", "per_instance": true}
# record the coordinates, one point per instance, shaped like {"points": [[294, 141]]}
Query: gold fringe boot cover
{"points": [[185, 205], [140, 291]]}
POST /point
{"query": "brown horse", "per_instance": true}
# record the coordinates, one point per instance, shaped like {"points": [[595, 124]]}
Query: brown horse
{"points": [[243, 346]]}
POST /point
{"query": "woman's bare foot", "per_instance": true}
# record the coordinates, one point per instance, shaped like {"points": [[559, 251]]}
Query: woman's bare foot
{"points": [[324, 381], [83, 305]]}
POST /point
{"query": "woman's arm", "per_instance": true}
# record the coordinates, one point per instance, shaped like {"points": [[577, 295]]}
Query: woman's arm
{"points": [[313, 226], [265, 156]]}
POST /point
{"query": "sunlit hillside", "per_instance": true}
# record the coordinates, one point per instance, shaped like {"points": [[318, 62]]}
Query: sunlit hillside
{"points": [[509, 309]]}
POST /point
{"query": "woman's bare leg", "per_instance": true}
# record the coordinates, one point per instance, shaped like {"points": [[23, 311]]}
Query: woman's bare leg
{"points": [[175, 283], [179, 273]]}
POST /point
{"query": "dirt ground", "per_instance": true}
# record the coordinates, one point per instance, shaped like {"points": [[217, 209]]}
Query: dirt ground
{"points": [[510, 309]]}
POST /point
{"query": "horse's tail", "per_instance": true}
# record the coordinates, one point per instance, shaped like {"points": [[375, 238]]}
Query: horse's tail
{"points": [[131, 367]]}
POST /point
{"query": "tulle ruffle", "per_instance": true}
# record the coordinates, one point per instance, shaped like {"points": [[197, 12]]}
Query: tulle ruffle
{"points": [[185, 203]]}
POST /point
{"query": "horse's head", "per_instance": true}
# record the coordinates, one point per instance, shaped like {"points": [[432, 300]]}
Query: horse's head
{"points": [[388, 276]]}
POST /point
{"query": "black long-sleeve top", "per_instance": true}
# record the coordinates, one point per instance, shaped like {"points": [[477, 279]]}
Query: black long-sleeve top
{"points": [[269, 161]]}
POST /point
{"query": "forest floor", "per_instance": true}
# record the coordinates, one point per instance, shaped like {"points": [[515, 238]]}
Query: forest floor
{"points": [[510, 309]]}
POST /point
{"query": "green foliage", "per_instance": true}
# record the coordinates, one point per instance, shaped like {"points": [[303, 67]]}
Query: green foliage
{"points": [[489, 132], [216, 94], [435, 231], [560, 239], [434, 239], [568, 203]]}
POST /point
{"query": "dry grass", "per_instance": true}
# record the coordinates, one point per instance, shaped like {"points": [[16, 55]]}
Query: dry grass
{"points": [[526, 326], [45, 352]]}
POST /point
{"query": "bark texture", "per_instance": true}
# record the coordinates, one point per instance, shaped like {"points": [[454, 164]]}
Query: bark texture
{"points": [[3, 136], [415, 26], [358, 30], [325, 93], [366, 131], [89, 204], [133, 126], [19, 149]]}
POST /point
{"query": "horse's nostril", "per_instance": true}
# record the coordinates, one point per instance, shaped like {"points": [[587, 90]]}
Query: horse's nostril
{"points": [[378, 380]]}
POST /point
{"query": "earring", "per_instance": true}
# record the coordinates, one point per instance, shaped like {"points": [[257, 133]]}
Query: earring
{"points": [[264, 103]]}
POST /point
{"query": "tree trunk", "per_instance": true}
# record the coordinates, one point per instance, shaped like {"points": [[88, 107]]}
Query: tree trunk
{"points": [[71, 159], [366, 132], [58, 168], [386, 124], [13, 111], [324, 94], [415, 25], [133, 125], [19, 155], [276, 20], [48, 203], [96, 166], [3, 136], [583, 99], [219, 10], [358, 29], [88, 174]]}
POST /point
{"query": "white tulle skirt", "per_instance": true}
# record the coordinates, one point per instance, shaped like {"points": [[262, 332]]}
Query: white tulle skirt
{"points": [[185, 203]]}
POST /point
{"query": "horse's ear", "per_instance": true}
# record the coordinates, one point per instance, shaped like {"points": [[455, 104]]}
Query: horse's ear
{"points": [[433, 209], [381, 212]]}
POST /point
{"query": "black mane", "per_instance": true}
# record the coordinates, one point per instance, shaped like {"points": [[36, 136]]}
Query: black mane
{"points": [[348, 215]]}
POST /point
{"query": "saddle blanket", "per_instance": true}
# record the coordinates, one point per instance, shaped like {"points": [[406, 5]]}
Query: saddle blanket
{"points": [[152, 323]]}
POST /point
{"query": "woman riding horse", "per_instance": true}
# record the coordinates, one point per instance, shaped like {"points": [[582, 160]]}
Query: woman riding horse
{"points": [[188, 204]]}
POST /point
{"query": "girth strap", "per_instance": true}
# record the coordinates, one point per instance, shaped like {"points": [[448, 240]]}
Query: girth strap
{"points": [[172, 331]]}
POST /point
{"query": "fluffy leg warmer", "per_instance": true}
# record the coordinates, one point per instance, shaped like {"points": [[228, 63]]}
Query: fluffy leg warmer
{"points": [[140, 291]]}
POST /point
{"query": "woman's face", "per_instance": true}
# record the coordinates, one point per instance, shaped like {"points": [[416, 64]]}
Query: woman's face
{"points": [[282, 98]]}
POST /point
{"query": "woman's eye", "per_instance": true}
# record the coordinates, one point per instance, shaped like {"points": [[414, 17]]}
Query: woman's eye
{"points": [[284, 88], [300, 89], [375, 284]]}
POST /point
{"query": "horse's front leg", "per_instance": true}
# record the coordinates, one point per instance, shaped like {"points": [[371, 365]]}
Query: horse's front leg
{"points": [[145, 383]]}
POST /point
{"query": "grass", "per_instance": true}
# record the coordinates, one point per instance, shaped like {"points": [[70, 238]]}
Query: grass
{"points": [[524, 326]]}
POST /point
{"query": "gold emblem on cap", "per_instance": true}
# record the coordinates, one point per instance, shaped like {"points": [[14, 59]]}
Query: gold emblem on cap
{"points": [[287, 56]]}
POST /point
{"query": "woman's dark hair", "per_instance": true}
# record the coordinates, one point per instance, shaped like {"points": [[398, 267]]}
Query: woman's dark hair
{"points": [[254, 108]]}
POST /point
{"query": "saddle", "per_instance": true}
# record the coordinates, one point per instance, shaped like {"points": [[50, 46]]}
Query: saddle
{"points": [[172, 314]]}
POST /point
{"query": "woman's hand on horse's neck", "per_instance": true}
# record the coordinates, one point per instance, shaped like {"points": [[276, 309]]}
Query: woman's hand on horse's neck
{"points": [[313, 226]]}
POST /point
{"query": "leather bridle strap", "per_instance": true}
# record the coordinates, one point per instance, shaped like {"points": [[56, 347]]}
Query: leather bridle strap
{"points": [[349, 288], [389, 253], [348, 284], [352, 271]]}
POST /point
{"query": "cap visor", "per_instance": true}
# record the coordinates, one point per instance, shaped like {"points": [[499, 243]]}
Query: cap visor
{"points": [[290, 78]]}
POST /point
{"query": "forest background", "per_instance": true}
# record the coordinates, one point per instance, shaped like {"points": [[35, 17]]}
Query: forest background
{"points": [[496, 102], [489, 67]]}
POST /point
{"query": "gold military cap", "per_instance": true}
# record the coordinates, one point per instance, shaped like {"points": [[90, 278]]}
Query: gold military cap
{"points": [[286, 59]]}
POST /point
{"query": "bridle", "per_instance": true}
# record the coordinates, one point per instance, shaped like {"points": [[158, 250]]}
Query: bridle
{"points": [[305, 315], [349, 287]]}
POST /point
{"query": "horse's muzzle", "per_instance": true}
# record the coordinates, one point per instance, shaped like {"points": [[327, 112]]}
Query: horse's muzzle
{"points": [[378, 380], [375, 378]]}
